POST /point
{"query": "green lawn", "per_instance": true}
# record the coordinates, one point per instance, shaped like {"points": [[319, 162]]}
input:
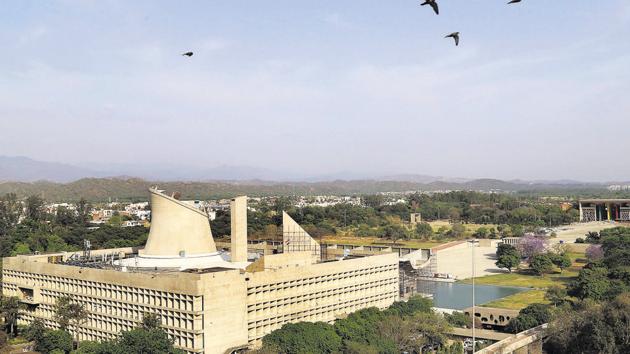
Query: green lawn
{"points": [[375, 241], [527, 279], [519, 301]]}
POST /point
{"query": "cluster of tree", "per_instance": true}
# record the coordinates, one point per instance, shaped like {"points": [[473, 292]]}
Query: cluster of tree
{"points": [[533, 249], [596, 316], [609, 276], [149, 338], [589, 327], [491, 208], [26, 227], [376, 218], [529, 317], [508, 257], [404, 327]]}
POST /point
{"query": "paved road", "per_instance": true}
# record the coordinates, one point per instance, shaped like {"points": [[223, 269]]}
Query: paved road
{"points": [[569, 233], [457, 261]]}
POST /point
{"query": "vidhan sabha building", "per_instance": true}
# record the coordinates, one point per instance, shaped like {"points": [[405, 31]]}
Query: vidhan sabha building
{"points": [[209, 301]]}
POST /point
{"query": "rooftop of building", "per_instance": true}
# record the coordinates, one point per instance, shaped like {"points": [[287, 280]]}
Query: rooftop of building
{"points": [[604, 200]]}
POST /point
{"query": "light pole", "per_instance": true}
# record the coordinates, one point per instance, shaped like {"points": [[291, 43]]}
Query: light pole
{"points": [[473, 244]]}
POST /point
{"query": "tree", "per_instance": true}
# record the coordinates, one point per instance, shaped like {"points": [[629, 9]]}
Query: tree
{"points": [[429, 331], [35, 331], [561, 261], [591, 328], [84, 210], [10, 308], [4, 338], [304, 337], [505, 249], [529, 317], [35, 208], [55, 340], [541, 264], [594, 253], [591, 283], [10, 212], [481, 232], [424, 230], [556, 294], [146, 341], [69, 312], [358, 348], [458, 319], [529, 246], [593, 237], [457, 230], [508, 261], [151, 321], [395, 232], [372, 201]]}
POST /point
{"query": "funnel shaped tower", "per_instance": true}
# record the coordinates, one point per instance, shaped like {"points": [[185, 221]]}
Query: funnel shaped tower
{"points": [[177, 229]]}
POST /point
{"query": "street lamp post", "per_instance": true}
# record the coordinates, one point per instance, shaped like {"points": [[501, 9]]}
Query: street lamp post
{"points": [[473, 244]]}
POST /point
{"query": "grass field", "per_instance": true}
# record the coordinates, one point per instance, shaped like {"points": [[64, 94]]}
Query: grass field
{"points": [[527, 279], [369, 241], [469, 227], [519, 301]]}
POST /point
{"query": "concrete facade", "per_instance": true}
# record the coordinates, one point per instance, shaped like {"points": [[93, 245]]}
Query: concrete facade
{"points": [[208, 311], [238, 223], [604, 210], [296, 239], [177, 228], [204, 310]]}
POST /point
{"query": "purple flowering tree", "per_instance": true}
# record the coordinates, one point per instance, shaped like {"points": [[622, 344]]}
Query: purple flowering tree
{"points": [[594, 253], [530, 246]]}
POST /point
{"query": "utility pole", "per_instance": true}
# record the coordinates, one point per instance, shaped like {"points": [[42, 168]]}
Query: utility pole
{"points": [[473, 244]]}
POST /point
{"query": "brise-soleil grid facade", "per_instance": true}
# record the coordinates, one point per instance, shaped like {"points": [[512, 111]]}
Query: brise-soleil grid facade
{"points": [[209, 311]]}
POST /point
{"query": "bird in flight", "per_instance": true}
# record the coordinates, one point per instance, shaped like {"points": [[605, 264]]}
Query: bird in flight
{"points": [[514, 1], [455, 36], [433, 4], [188, 54]]}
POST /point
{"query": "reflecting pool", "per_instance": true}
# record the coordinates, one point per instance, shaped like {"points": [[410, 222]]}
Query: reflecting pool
{"points": [[458, 296]]}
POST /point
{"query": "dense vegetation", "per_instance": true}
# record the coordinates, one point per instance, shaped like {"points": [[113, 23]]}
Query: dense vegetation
{"points": [[596, 316], [27, 228], [404, 327], [101, 189], [375, 217], [31, 229]]}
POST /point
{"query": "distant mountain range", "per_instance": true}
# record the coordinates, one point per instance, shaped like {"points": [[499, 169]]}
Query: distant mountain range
{"points": [[58, 181]]}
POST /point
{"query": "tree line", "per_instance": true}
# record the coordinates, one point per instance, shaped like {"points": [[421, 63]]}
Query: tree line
{"points": [[26, 227], [411, 327], [375, 217]]}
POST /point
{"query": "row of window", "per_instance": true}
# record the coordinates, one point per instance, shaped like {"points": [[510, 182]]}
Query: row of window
{"points": [[333, 278], [106, 290], [261, 327], [303, 297]]}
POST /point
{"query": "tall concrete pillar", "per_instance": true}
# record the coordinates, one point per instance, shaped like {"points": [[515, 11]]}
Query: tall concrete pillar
{"points": [[608, 211], [581, 212], [238, 218]]}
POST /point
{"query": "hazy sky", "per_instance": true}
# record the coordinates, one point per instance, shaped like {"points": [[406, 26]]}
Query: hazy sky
{"points": [[536, 90]]}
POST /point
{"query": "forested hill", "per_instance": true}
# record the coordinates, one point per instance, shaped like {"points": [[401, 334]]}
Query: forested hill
{"points": [[101, 189]]}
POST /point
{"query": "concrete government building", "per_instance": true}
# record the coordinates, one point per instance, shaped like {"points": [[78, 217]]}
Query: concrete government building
{"points": [[604, 210], [209, 301]]}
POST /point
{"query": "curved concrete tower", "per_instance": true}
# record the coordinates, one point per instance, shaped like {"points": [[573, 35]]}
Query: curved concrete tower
{"points": [[177, 229]]}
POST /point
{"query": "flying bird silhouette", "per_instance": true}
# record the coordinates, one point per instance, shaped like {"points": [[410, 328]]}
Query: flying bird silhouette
{"points": [[455, 36], [188, 54], [433, 4], [513, 1]]}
